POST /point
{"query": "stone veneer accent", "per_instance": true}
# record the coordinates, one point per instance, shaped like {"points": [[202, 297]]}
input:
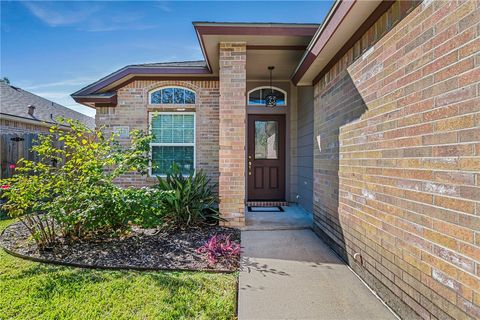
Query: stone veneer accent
{"points": [[397, 177], [133, 110], [232, 59]]}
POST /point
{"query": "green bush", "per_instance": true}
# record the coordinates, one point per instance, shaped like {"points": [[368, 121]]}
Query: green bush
{"points": [[145, 205], [191, 200], [28, 199], [107, 207], [71, 188]]}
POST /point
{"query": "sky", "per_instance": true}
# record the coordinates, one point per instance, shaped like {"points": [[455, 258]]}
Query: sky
{"points": [[56, 48]]}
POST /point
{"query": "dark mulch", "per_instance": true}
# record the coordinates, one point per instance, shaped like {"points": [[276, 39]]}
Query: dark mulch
{"points": [[139, 249]]}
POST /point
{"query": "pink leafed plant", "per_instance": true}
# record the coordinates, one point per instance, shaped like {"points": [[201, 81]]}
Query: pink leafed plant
{"points": [[220, 247]]}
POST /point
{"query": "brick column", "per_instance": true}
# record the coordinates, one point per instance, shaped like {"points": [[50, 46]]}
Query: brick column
{"points": [[232, 58]]}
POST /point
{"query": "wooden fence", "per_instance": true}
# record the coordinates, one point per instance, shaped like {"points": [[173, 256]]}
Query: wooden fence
{"points": [[14, 147]]}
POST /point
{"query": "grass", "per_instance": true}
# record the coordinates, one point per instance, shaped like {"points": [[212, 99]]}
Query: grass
{"points": [[30, 290]]}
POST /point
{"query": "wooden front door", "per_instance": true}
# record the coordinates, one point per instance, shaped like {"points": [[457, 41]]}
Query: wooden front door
{"points": [[266, 157]]}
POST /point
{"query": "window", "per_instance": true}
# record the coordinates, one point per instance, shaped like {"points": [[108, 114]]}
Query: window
{"points": [[256, 97], [174, 142], [172, 95], [266, 140]]}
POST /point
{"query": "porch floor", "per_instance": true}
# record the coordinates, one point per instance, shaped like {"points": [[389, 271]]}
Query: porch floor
{"points": [[292, 274], [293, 218]]}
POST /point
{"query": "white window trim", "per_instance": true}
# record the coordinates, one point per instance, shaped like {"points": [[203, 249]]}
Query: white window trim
{"points": [[170, 104], [159, 144], [266, 87]]}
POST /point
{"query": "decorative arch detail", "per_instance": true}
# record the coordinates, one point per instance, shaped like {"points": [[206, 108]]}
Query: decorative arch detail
{"points": [[256, 96], [172, 95]]}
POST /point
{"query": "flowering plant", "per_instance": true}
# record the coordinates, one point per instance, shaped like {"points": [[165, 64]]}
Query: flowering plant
{"points": [[220, 247]]}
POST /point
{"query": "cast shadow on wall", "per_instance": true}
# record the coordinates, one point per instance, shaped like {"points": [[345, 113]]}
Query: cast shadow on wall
{"points": [[339, 104]]}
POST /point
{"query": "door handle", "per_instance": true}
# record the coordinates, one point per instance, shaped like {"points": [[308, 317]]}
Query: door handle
{"points": [[249, 167]]}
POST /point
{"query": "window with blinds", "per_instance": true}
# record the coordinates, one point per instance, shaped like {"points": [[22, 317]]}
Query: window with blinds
{"points": [[173, 142]]}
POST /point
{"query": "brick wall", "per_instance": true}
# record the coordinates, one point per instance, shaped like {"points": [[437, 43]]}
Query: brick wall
{"points": [[232, 60], [397, 173], [133, 110]]}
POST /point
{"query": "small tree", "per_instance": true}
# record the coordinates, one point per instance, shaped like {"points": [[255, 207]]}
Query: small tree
{"points": [[71, 188]]}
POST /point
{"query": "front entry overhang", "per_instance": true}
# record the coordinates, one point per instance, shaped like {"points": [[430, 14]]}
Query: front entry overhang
{"points": [[278, 44]]}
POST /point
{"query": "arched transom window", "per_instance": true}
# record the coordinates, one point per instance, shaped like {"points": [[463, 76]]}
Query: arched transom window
{"points": [[172, 95], [257, 96]]}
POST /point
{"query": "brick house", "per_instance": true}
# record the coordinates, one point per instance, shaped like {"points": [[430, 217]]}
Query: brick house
{"points": [[376, 130]]}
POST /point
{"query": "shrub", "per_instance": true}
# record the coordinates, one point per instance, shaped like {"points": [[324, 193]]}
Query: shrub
{"points": [[146, 206], [28, 199], [107, 207], [3, 213], [220, 247], [191, 199], [72, 184]]}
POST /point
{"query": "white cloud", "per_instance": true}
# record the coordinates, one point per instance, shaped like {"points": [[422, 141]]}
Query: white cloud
{"points": [[164, 6], [61, 14], [87, 16], [69, 82], [104, 27]]}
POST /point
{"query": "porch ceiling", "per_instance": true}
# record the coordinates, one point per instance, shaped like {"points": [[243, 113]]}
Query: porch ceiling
{"points": [[284, 62], [280, 45]]}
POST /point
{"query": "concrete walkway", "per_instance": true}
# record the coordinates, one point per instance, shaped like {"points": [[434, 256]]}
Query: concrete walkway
{"points": [[292, 274]]}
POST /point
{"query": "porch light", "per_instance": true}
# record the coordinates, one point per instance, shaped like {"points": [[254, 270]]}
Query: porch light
{"points": [[271, 98]]}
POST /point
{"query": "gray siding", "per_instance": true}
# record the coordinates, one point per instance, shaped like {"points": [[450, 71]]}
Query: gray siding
{"points": [[305, 147]]}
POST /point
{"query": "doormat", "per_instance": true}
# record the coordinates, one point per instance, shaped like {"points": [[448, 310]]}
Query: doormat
{"points": [[265, 209]]}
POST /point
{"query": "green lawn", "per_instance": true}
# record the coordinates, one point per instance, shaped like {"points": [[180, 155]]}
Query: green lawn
{"points": [[31, 290]]}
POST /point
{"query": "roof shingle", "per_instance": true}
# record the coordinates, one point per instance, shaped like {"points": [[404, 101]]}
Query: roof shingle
{"points": [[15, 101]]}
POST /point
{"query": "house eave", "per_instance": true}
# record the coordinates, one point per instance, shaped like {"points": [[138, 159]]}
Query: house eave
{"points": [[130, 71], [342, 22], [93, 100]]}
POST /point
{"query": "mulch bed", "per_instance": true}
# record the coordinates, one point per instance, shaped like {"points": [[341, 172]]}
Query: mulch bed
{"points": [[142, 249]]}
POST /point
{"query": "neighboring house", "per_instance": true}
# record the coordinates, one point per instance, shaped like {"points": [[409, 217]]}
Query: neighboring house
{"points": [[376, 131], [23, 115], [24, 112]]}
